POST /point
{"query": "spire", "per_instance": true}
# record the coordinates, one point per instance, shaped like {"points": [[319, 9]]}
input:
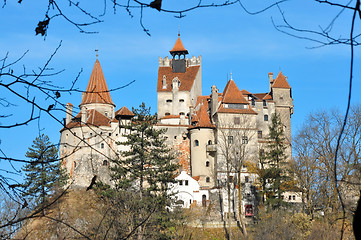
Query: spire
{"points": [[281, 81], [178, 47], [97, 90], [232, 94]]}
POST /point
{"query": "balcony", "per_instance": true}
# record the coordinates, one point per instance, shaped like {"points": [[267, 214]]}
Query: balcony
{"points": [[212, 148]]}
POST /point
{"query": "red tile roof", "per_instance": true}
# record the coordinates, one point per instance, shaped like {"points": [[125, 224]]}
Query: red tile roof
{"points": [[178, 46], [202, 118], [186, 79], [241, 111], [245, 92], [124, 111], [281, 82], [172, 116], [97, 90], [232, 94], [94, 118]]}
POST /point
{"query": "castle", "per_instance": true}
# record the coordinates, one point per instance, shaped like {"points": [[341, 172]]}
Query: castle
{"points": [[214, 135]]}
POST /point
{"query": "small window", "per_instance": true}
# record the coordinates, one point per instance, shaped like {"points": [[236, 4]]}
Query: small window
{"points": [[102, 145], [181, 100], [253, 102], [230, 139], [246, 179], [207, 164], [110, 134], [244, 140], [294, 197], [259, 134], [167, 113], [182, 113], [208, 179], [74, 164], [91, 134], [74, 133], [106, 114], [264, 103], [180, 182], [105, 163], [169, 100], [210, 142], [236, 120], [289, 197], [265, 117], [175, 137], [186, 182], [196, 143]]}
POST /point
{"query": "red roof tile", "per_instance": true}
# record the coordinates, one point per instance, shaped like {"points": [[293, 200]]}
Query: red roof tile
{"points": [[186, 79], [178, 46], [172, 116], [232, 94], [97, 90], [124, 111], [203, 119], [241, 111], [94, 118], [245, 92], [281, 82]]}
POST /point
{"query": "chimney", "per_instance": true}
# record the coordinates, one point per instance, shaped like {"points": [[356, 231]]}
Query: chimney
{"points": [[83, 114], [214, 100], [270, 77], [190, 114], [69, 113]]}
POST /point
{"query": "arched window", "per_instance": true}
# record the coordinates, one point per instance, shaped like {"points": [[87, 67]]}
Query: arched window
{"points": [[210, 142], [207, 164], [265, 117], [208, 179], [196, 143], [105, 163]]}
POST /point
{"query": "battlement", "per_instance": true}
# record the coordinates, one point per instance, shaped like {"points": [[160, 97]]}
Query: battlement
{"points": [[194, 61]]}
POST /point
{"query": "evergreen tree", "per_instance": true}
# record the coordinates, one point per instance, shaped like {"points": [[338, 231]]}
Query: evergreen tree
{"points": [[274, 172], [43, 174], [146, 169]]}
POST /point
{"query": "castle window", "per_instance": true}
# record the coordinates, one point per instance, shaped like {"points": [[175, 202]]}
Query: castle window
{"points": [[294, 197], [244, 139], [259, 134], [253, 102], [181, 100], [186, 182], [208, 179], [264, 103], [246, 179], [289, 197], [180, 182], [110, 134], [102, 145], [91, 134], [74, 164], [207, 164], [167, 113], [196, 143], [182, 113], [210, 142], [106, 114], [230, 139], [265, 117], [105, 163], [236, 120], [175, 137], [169, 100]]}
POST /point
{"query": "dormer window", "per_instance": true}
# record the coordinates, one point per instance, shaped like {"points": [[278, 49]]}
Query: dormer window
{"points": [[264, 103], [253, 102]]}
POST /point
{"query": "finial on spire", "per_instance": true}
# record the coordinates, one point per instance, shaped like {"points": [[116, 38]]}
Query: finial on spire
{"points": [[96, 50], [231, 76], [178, 30]]}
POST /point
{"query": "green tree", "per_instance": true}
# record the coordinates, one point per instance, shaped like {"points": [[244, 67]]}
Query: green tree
{"points": [[145, 169], [43, 174], [274, 170]]}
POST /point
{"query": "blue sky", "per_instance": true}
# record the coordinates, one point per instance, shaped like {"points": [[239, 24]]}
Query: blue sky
{"points": [[228, 39]]}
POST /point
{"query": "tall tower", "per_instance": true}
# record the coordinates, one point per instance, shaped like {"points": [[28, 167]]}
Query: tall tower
{"points": [[179, 83]]}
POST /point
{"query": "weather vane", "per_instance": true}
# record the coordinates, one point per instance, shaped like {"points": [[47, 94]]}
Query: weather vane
{"points": [[96, 50]]}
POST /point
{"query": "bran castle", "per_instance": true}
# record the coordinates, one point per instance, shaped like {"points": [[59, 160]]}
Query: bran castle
{"points": [[215, 136]]}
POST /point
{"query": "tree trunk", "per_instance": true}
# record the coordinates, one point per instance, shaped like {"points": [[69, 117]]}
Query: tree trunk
{"points": [[243, 225]]}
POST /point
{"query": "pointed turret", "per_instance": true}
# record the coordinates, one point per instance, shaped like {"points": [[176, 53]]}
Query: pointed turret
{"points": [[97, 90], [232, 94], [178, 53], [281, 81]]}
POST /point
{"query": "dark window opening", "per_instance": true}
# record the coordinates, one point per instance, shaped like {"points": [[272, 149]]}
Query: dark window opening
{"points": [[294, 197], [264, 103], [102, 145], [105, 163], [230, 139], [246, 179], [204, 200], [196, 143], [253, 102], [169, 100], [265, 117], [182, 113], [208, 179], [259, 134], [289, 197], [74, 164], [210, 142], [186, 182], [207, 164], [244, 139], [110, 134], [181, 100], [181, 182], [167, 113]]}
